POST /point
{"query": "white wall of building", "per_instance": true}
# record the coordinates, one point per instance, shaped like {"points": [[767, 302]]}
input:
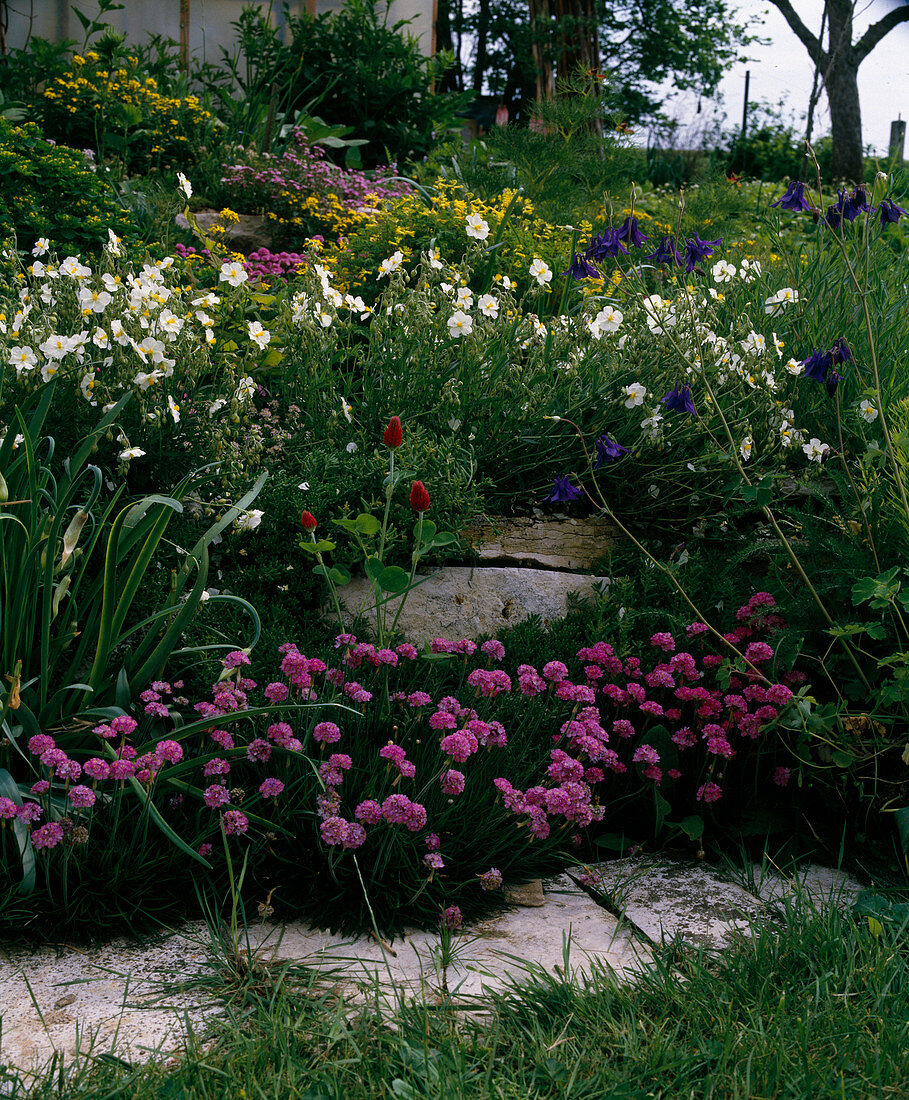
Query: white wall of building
{"points": [[210, 21]]}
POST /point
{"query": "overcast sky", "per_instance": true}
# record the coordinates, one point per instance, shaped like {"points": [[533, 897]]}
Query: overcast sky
{"points": [[783, 71]]}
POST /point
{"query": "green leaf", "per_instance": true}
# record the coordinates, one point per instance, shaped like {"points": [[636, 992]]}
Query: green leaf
{"points": [[393, 579], [902, 826], [445, 538], [323, 546], [842, 759], [367, 525], [875, 927], [374, 567], [428, 532], [692, 826]]}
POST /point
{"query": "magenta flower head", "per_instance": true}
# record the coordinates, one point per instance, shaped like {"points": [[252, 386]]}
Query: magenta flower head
{"points": [[491, 879], [394, 433], [794, 198], [563, 491], [451, 918], [679, 400], [47, 836], [419, 497], [233, 822]]}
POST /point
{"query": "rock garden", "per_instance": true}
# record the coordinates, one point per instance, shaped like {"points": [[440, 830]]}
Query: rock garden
{"points": [[453, 632]]}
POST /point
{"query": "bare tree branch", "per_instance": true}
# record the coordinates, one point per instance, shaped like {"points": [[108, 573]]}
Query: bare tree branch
{"points": [[877, 30], [808, 40]]}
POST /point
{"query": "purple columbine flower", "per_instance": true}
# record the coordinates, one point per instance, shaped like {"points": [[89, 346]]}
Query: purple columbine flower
{"points": [[580, 268], [832, 381], [607, 451], [563, 491], [840, 352], [630, 232], [679, 400], [794, 199], [666, 253], [697, 250], [607, 243], [817, 365], [890, 212], [834, 216], [855, 204]]}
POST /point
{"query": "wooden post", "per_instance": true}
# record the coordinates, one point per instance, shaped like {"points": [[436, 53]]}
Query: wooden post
{"points": [[184, 36], [897, 140]]}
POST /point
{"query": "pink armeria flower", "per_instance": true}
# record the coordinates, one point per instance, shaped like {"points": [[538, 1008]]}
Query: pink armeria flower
{"points": [[122, 769], [40, 743], [216, 795], [418, 699], [235, 659], [41, 787], [222, 738], [709, 792], [369, 811], [781, 776], [407, 651], [452, 782], [434, 861], [554, 671], [491, 879], [217, 766], [47, 836], [459, 745], [276, 693], [663, 640], [258, 751], [96, 769], [271, 787], [451, 918], [8, 808], [81, 797], [327, 732], [493, 649], [29, 812], [645, 754], [433, 843], [68, 769], [778, 694], [170, 752], [233, 822]]}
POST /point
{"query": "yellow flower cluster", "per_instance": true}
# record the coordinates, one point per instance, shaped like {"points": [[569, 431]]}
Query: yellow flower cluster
{"points": [[90, 104]]}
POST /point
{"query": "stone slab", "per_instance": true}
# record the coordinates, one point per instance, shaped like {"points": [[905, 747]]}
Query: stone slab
{"points": [[248, 234], [818, 886], [464, 602], [125, 999], [669, 900], [569, 544], [119, 997], [492, 954]]}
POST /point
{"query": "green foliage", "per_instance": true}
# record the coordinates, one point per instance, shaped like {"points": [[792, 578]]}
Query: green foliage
{"points": [[373, 77], [49, 190]]}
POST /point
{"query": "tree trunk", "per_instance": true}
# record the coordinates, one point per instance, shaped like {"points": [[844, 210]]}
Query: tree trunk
{"points": [[841, 83], [479, 69]]}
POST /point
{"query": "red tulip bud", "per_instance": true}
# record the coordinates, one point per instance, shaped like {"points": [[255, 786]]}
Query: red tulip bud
{"points": [[394, 433], [308, 521], [419, 498]]}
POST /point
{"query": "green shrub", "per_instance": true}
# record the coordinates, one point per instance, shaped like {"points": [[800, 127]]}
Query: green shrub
{"points": [[48, 190]]}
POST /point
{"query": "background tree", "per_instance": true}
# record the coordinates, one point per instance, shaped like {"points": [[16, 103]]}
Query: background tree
{"points": [[522, 46], [838, 66]]}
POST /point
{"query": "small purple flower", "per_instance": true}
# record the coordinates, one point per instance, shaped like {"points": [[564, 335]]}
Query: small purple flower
{"points": [[580, 268], [629, 232], [856, 203], [607, 451], [47, 836], [817, 365], [271, 787], [794, 199], [81, 797], [890, 212], [608, 243], [666, 253], [215, 795], [563, 491], [697, 250], [235, 659], [8, 808], [679, 400]]}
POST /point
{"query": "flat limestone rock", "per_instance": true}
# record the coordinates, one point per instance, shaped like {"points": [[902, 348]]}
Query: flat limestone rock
{"points": [[529, 895], [493, 953], [120, 998], [819, 886], [248, 234], [570, 544], [463, 602], [669, 900], [125, 999]]}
